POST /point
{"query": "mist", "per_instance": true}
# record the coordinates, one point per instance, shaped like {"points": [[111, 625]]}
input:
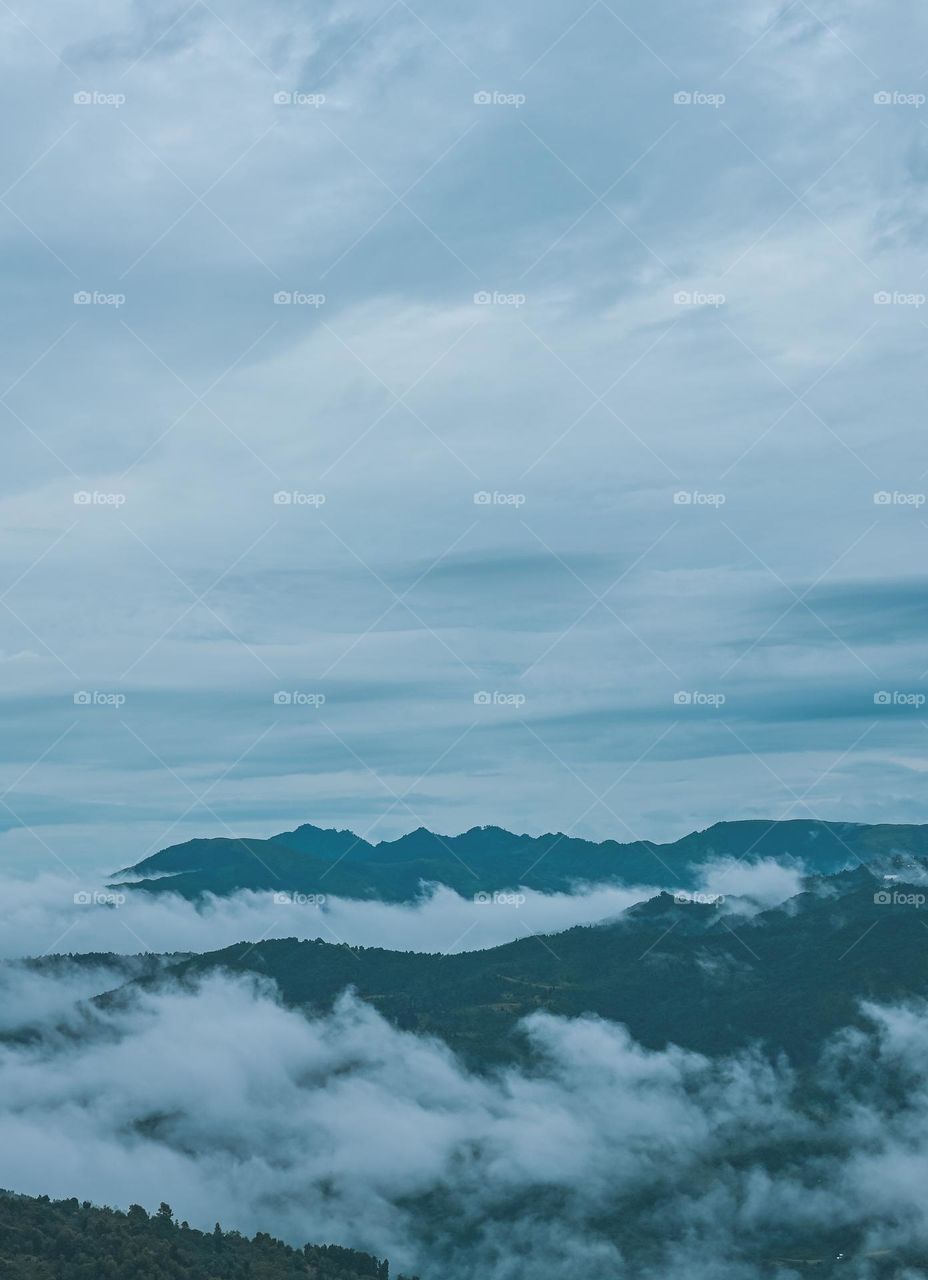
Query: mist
{"points": [[342, 1128], [57, 914]]}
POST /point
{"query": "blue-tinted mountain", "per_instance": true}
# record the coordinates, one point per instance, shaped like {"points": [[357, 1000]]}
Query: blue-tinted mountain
{"points": [[316, 860]]}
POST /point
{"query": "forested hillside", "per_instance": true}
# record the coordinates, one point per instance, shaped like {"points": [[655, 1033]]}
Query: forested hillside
{"points": [[42, 1239]]}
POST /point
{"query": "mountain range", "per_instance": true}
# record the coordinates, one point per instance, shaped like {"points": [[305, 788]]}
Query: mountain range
{"points": [[315, 860]]}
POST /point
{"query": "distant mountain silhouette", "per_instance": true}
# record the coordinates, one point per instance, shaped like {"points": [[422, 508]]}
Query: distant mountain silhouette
{"points": [[316, 860]]}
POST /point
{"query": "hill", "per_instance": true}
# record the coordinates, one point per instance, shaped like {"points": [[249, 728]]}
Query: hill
{"points": [[42, 1239]]}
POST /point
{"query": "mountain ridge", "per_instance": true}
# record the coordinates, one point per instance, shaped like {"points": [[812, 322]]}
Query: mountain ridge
{"points": [[336, 862]]}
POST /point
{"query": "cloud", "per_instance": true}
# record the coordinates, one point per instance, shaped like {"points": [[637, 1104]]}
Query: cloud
{"points": [[52, 914], [49, 914], [30, 996], [761, 884], [345, 1128]]}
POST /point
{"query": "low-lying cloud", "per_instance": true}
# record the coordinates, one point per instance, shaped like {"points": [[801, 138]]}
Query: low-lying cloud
{"points": [[601, 1157], [758, 885], [30, 996], [50, 914]]}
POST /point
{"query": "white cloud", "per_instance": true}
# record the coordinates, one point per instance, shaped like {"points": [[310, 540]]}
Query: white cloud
{"points": [[40, 916], [332, 1128], [764, 883]]}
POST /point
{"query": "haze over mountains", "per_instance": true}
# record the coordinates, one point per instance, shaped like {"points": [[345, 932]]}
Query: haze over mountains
{"points": [[674, 970]]}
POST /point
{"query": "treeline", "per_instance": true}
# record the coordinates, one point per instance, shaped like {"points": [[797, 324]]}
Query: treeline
{"points": [[42, 1239]]}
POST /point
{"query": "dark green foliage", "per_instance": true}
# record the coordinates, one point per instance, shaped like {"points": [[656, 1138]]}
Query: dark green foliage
{"points": [[42, 1239]]}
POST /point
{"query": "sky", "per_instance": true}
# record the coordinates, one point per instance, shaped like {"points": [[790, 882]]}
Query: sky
{"points": [[426, 418]]}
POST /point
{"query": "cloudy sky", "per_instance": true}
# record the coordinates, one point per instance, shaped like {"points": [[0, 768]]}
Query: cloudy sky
{"points": [[583, 343]]}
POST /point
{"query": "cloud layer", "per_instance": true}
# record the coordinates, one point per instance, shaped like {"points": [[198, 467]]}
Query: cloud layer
{"points": [[345, 1129], [49, 915]]}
